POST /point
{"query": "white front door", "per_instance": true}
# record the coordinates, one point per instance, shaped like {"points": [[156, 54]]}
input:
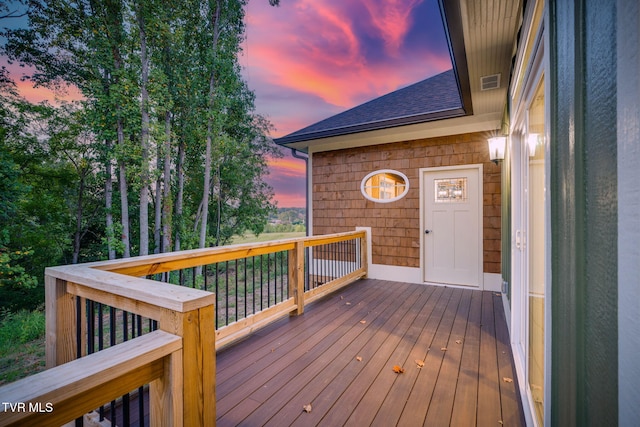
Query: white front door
{"points": [[452, 224]]}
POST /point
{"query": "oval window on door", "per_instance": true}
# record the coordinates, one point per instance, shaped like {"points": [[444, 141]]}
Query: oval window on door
{"points": [[384, 186]]}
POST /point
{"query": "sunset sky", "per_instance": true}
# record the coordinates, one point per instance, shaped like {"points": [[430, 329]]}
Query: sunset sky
{"points": [[307, 60]]}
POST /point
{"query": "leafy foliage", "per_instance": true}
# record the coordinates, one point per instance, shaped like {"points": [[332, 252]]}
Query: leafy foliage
{"points": [[161, 87], [15, 283]]}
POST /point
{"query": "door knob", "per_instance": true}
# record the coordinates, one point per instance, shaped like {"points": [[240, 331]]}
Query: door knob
{"points": [[427, 231]]}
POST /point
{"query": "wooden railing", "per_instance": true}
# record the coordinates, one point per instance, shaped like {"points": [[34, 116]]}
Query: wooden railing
{"points": [[68, 391], [178, 359]]}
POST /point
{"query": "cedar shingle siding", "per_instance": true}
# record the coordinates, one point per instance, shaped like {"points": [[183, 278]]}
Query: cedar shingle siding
{"points": [[338, 204]]}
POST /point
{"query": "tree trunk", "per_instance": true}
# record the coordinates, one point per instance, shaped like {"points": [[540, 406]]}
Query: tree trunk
{"points": [[78, 233], [124, 196], [180, 195], [144, 136], [215, 17], [219, 204], [206, 188], [166, 208], [108, 202], [157, 223]]}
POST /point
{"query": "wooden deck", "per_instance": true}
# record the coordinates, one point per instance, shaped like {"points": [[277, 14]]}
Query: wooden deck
{"points": [[339, 357]]}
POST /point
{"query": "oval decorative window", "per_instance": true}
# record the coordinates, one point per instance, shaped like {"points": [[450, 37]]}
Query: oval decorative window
{"points": [[384, 186]]}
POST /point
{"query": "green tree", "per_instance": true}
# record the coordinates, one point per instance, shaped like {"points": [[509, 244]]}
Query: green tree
{"points": [[158, 79]]}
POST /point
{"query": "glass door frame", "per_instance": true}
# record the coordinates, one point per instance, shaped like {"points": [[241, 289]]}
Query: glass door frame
{"points": [[520, 223]]}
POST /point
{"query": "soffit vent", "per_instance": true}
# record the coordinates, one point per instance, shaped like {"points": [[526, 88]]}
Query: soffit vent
{"points": [[490, 82]]}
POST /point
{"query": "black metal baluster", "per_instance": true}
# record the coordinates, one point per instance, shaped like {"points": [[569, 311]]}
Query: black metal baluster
{"points": [[312, 268], [329, 257], [245, 287], [276, 275], [100, 327], [285, 275], [79, 321], [101, 345], [217, 296], [139, 319], [141, 406], [307, 272], [253, 280], [125, 398], [269, 280], [341, 264], [112, 341], [275, 279], [226, 292], [126, 419], [91, 331], [125, 326], [236, 280]]}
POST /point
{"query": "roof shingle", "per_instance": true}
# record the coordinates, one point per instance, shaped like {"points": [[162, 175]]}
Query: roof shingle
{"points": [[434, 98]]}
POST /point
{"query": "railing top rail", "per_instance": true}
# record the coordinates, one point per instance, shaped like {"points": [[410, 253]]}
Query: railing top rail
{"points": [[109, 280], [159, 263], [332, 238], [133, 289]]}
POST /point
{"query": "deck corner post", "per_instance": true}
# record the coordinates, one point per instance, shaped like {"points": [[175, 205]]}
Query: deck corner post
{"points": [[197, 365], [296, 276], [60, 315]]}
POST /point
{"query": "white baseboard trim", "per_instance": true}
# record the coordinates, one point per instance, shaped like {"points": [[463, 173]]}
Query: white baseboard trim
{"points": [[395, 273], [493, 282]]}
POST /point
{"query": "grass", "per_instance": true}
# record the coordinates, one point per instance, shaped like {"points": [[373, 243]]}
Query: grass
{"points": [[22, 349], [266, 237]]}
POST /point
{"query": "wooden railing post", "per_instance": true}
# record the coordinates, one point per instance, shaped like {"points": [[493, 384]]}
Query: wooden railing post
{"points": [[364, 256], [198, 365], [60, 341], [166, 404], [296, 276]]}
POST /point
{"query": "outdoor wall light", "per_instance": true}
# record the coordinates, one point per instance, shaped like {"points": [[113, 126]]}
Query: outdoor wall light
{"points": [[497, 146], [532, 141]]}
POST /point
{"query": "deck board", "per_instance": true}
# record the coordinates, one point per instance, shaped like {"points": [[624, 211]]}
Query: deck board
{"points": [[510, 400], [367, 408], [441, 407], [392, 408], [489, 413], [267, 378], [314, 361], [336, 366], [344, 393], [466, 395], [297, 358]]}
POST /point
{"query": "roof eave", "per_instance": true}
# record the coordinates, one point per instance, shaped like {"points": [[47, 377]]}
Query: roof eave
{"points": [[365, 127]]}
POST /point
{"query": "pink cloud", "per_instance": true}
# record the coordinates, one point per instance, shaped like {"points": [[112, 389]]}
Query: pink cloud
{"points": [[287, 178], [291, 200], [311, 48], [287, 166], [392, 18], [38, 94]]}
